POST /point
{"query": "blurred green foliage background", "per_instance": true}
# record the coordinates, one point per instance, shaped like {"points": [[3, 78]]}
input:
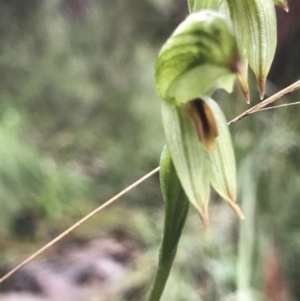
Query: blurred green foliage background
{"points": [[80, 120]]}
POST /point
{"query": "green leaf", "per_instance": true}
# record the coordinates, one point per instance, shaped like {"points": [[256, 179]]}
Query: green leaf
{"points": [[176, 209], [188, 155], [201, 55], [254, 22], [197, 5], [222, 161], [283, 4]]}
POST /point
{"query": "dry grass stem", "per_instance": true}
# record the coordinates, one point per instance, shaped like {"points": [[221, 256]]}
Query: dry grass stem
{"points": [[266, 102], [280, 106]]}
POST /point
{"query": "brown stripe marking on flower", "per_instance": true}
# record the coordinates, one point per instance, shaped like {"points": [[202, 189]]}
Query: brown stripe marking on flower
{"points": [[204, 121]]}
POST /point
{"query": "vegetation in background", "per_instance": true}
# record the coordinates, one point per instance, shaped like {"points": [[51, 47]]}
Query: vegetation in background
{"points": [[79, 120]]}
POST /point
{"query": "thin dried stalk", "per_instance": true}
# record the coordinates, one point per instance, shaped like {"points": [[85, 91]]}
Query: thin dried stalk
{"points": [[79, 223], [266, 102]]}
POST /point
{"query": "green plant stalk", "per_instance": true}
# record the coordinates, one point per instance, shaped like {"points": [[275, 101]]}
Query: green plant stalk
{"points": [[161, 277], [176, 209]]}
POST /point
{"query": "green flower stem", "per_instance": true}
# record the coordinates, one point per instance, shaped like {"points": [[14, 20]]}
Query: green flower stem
{"points": [[176, 209], [161, 277]]}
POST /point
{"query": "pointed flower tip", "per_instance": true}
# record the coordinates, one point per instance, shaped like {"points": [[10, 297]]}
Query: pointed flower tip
{"points": [[246, 92], [242, 80], [261, 86], [204, 215], [282, 4], [237, 209], [205, 219], [246, 95]]}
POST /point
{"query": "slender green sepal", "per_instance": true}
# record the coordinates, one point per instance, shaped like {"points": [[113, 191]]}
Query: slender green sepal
{"points": [[176, 209], [254, 22], [188, 155], [201, 55], [283, 4], [222, 169]]}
